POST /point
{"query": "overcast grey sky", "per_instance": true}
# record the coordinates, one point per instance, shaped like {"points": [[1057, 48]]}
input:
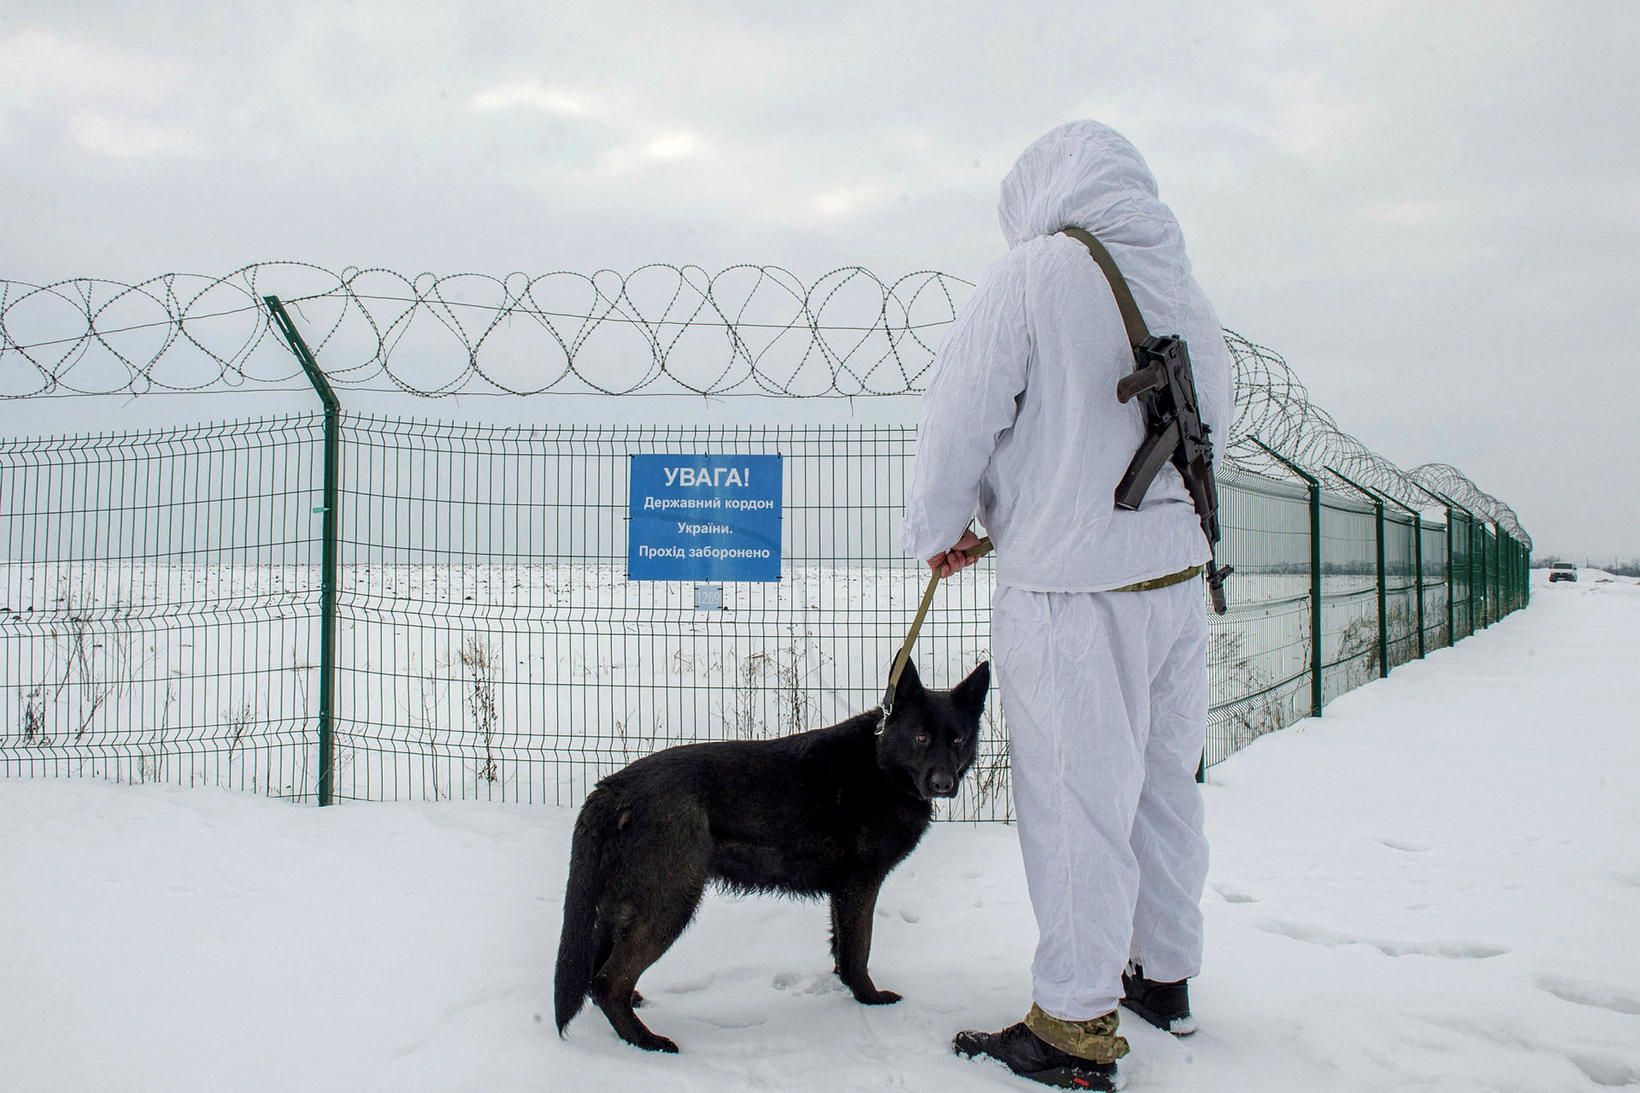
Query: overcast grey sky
{"points": [[1432, 209]]}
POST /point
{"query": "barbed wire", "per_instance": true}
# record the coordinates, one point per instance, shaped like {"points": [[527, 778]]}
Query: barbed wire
{"points": [[660, 329], [666, 329], [1274, 410]]}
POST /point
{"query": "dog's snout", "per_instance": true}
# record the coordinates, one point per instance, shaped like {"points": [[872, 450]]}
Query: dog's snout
{"points": [[942, 784]]}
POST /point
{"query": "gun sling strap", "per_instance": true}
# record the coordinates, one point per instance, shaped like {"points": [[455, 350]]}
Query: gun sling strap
{"points": [[1137, 332]]}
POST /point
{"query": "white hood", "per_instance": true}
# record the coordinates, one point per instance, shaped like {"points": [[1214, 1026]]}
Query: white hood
{"points": [[1082, 175], [1087, 175]]}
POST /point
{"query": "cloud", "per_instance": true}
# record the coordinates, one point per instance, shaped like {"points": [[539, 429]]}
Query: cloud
{"points": [[1411, 212], [531, 94], [42, 68], [672, 146], [107, 94], [850, 200], [1310, 121], [1357, 182], [129, 138], [629, 147]]}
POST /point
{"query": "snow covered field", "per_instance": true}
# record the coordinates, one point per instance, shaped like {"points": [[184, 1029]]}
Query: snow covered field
{"points": [[528, 682], [1435, 887]]}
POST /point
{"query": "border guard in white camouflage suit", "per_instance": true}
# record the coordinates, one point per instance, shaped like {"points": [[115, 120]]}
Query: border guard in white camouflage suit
{"points": [[1099, 630]]}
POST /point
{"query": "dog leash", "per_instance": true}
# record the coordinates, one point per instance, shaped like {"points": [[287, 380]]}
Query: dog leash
{"points": [[974, 553]]}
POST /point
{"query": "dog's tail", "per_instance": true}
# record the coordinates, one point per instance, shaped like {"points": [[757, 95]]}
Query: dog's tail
{"points": [[581, 944]]}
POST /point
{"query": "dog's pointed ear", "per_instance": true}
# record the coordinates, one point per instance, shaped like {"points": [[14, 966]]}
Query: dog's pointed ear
{"points": [[910, 686], [970, 693]]}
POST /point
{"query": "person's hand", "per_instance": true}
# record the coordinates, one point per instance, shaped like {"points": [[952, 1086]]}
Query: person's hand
{"points": [[955, 559]]}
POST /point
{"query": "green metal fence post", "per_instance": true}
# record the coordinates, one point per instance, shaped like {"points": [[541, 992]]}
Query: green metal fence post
{"points": [[1418, 574], [329, 529], [1452, 583], [1383, 597], [1317, 657]]}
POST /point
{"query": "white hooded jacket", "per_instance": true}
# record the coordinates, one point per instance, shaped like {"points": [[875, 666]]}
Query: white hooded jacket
{"points": [[1021, 422]]}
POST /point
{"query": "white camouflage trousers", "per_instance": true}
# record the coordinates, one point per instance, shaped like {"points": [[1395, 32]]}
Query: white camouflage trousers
{"points": [[1105, 695]]}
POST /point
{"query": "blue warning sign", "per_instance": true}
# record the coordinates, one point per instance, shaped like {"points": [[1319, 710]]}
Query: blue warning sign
{"points": [[704, 518]]}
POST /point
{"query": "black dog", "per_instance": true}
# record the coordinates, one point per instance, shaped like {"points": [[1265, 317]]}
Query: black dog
{"points": [[822, 813]]}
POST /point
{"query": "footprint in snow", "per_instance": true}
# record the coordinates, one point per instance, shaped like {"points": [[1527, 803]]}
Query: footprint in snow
{"points": [[1332, 939], [1587, 992], [798, 983], [1233, 895], [731, 1023], [691, 986], [1401, 844], [1606, 1070]]}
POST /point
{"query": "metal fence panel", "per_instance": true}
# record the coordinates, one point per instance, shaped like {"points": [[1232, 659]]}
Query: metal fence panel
{"points": [[1259, 653], [1437, 632], [161, 616], [1349, 595], [158, 605], [1400, 588], [1463, 597], [492, 645]]}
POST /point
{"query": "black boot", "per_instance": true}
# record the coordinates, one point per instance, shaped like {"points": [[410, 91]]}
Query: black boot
{"points": [[1165, 1005], [1019, 1049]]}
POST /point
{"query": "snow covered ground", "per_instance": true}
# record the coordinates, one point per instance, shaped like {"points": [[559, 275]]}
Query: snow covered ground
{"points": [[1435, 887]]}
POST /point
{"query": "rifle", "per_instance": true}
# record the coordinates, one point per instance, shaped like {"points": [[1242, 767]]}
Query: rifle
{"points": [[1174, 430]]}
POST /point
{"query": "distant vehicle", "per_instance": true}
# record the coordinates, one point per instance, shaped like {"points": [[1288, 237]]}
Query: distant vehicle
{"points": [[1562, 571]]}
